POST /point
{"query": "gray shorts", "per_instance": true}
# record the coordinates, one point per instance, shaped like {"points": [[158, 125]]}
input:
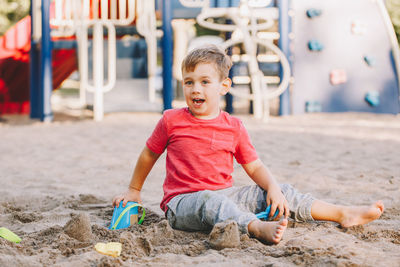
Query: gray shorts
{"points": [[200, 211]]}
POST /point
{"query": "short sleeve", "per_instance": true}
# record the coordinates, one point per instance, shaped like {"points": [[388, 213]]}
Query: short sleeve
{"points": [[244, 151], [158, 140]]}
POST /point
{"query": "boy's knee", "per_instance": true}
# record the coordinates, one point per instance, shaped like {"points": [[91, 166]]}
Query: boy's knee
{"points": [[206, 195], [286, 187], [171, 218], [211, 202], [211, 197]]}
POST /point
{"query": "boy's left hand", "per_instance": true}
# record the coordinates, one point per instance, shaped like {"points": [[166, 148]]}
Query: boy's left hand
{"points": [[277, 200], [263, 178]]}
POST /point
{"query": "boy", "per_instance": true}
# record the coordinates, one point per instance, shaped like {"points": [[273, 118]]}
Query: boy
{"points": [[201, 141]]}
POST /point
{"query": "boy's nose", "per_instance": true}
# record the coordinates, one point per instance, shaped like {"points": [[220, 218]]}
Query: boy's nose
{"points": [[196, 89]]}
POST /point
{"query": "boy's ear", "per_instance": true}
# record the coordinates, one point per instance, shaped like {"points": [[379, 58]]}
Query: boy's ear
{"points": [[225, 86]]}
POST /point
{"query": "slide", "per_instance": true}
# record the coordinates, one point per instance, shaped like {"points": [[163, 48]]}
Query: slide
{"points": [[14, 68]]}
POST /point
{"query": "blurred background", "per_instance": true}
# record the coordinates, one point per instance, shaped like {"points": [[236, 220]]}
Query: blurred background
{"points": [[13, 10], [291, 57]]}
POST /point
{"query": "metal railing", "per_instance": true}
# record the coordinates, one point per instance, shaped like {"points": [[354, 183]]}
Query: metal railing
{"points": [[75, 17], [203, 3]]}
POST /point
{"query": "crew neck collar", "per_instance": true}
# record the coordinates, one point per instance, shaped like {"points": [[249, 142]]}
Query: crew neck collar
{"points": [[193, 118]]}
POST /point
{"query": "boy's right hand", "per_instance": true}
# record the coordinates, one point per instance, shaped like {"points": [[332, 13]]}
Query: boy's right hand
{"points": [[130, 195]]}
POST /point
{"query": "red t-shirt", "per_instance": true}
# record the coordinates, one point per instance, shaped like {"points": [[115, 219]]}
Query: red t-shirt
{"points": [[199, 152]]}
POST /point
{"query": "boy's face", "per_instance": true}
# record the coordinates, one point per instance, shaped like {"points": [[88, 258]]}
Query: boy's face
{"points": [[202, 89]]}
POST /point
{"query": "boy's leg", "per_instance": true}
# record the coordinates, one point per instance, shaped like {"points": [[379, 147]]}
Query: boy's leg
{"points": [[305, 207], [200, 211], [346, 216], [249, 198], [299, 204], [253, 199]]}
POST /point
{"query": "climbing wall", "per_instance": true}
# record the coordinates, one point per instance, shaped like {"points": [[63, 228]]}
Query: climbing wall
{"points": [[342, 58]]}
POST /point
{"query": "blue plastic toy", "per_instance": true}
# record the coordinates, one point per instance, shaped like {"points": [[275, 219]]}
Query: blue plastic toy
{"points": [[264, 214], [122, 215]]}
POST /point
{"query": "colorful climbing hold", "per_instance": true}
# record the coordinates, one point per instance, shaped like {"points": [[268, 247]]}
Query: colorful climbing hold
{"points": [[338, 76], [372, 98], [313, 106], [358, 27], [313, 12], [371, 61], [315, 45]]}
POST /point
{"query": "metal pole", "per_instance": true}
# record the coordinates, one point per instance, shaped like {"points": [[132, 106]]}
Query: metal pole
{"points": [[284, 41], [229, 96], [34, 62], [46, 81], [167, 54], [98, 71], [82, 39]]}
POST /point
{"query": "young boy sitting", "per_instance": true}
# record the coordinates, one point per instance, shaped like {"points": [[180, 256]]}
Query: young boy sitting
{"points": [[201, 142]]}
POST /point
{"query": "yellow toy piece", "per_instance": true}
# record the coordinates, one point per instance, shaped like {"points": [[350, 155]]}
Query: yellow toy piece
{"points": [[111, 248]]}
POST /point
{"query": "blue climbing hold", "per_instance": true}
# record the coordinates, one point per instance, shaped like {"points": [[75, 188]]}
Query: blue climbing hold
{"points": [[313, 106], [372, 98], [315, 45], [313, 12], [371, 61]]}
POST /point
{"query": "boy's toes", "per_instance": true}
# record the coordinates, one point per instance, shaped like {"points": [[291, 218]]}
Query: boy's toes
{"points": [[283, 222], [379, 205], [280, 229]]}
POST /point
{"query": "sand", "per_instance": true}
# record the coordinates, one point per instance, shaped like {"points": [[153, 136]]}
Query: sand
{"points": [[52, 174]]}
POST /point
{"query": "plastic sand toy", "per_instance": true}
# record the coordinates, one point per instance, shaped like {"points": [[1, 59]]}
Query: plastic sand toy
{"points": [[10, 236], [124, 217], [264, 215], [111, 248]]}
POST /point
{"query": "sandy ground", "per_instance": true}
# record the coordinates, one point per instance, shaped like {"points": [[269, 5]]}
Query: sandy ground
{"points": [[51, 172]]}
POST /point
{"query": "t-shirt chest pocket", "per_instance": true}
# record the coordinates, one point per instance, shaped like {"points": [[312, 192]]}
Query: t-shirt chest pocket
{"points": [[222, 141]]}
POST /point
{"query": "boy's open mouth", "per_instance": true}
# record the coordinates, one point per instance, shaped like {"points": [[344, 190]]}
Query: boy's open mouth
{"points": [[198, 101]]}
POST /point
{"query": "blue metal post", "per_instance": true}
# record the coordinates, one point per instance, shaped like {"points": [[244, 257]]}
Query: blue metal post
{"points": [[284, 44], [167, 54], [229, 96], [34, 71], [46, 81]]}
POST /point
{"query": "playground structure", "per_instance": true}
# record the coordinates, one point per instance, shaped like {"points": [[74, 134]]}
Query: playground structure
{"points": [[77, 17], [328, 76], [349, 65], [243, 20], [245, 28]]}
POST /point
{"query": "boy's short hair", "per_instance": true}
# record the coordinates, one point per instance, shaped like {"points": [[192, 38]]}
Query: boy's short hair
{"points": [[208, 54]]}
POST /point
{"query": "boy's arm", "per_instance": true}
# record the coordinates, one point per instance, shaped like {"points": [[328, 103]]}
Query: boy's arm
{"points": [[144, 164], [260, 174]]}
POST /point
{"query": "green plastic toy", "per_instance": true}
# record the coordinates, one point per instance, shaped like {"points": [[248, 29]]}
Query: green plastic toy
{"points": [[10, 236]]}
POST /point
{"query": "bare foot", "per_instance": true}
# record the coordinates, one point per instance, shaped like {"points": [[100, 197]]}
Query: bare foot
{"points": [[358, 215], [270, 232]]}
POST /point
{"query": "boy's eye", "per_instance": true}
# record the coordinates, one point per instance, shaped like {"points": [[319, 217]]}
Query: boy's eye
{"points": [[204, 82], [188, 83]]}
